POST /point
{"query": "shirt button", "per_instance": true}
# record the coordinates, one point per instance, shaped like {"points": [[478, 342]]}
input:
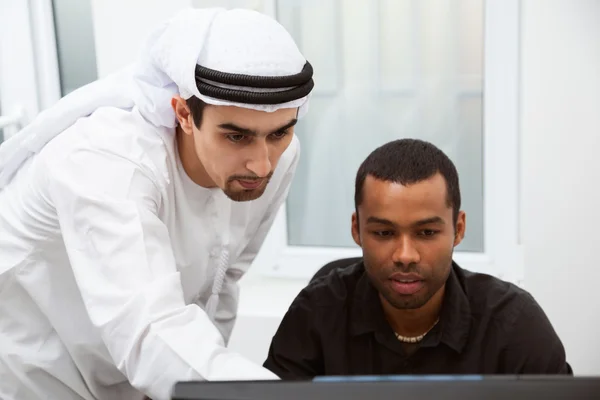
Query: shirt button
{"points": [[214, 252]]}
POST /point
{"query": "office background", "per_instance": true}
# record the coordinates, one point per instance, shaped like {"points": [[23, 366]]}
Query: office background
{"points": [[510, 89]]}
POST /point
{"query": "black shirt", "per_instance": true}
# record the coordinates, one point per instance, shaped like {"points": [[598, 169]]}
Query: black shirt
{"points": [[336, 326]]}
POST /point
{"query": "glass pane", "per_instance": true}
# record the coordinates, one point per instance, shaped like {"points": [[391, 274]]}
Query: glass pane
{"points": [[384, 70], [74, 43]]}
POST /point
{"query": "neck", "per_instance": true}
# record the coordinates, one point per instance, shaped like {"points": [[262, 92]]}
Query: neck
{"points": [[414, 322], [190, 162]]}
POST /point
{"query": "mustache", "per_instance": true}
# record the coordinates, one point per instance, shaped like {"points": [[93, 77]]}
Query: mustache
{"points": [[406, 268], [249, 178]]}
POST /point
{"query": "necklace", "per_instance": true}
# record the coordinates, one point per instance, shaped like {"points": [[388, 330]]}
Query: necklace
{"points": [[414, 339]]}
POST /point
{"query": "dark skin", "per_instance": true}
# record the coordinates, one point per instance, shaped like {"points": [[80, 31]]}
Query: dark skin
{"points": [[408, 233]]}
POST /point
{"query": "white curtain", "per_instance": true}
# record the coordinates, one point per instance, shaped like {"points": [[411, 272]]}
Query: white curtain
{"points": [[384, 70]]}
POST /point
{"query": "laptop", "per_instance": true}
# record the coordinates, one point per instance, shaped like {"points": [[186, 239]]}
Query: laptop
{"points": [[402, 387]]}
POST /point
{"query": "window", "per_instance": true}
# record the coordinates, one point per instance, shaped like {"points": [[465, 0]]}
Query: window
{"points": [[441, 70], [76, 52], [31, 51], [38, 63], [384, 69], [28, 72]]}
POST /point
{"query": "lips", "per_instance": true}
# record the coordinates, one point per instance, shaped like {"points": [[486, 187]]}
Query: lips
{"points": [[406, 284], [251, 184]]}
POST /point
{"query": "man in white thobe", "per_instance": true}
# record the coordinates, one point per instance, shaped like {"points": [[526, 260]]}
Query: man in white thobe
{"points": [[131, 208]]}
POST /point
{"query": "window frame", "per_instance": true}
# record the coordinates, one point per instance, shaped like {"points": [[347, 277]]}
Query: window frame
{"points": [[502, 256], [29, 79], [33, 64]]}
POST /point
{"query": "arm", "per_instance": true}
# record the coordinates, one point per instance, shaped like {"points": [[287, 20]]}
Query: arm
{"points": [[533, 345], [295, 351], [125, 270], [228, 298]]}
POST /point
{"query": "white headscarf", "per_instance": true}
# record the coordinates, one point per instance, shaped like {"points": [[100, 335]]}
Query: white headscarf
{"points": [[230, 41]]}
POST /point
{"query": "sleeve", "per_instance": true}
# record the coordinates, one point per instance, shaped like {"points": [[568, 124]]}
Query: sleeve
{"points": [[121, 257], [296, 352], [229, 296], [533, 345]]}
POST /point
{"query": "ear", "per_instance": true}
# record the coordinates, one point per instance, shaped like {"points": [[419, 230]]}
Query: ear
{"points": [[459, 229], [355, 229], [183, 114]]}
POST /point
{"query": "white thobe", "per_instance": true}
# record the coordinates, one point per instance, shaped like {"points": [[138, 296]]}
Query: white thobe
{"points": [[108, 255]]}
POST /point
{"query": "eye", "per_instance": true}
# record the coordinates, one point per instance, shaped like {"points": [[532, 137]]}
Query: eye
{"points": [[428, 233], [236, 137], [279, 135], [383, 234]]}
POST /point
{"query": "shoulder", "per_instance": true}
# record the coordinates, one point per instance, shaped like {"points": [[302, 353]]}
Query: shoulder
{"points": [[507, 300], [333, 289], [528, 342], [119, 139]]}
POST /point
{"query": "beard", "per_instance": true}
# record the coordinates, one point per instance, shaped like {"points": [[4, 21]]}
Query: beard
{"points": [[432, 283], [240, 195], [413, 301]]}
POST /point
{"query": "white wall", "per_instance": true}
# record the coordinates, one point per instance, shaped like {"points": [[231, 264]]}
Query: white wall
{"points": [[121, 26], [560, 128]]}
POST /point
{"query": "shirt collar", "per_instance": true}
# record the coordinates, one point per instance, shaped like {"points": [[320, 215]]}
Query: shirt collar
{"points": [[455, 316]]}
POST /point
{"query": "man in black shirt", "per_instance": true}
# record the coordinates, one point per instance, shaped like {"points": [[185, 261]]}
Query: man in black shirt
{"points": [[406, 307]]}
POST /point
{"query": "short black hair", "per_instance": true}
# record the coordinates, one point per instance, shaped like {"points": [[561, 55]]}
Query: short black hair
{"points": [[197, 107], [408, 161]]}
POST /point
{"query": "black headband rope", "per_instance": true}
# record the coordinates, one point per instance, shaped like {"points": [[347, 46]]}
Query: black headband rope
{"points": [[300, 85]]}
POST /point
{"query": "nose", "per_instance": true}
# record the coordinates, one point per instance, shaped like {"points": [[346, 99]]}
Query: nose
{"points": [[406, 253], [259, 162]]}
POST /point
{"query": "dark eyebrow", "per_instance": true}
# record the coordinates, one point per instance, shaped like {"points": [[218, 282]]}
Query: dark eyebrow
{"points": [[233, 127], [286, 126], [245, 131], [426, 221], [375, 220], [432, 220]]}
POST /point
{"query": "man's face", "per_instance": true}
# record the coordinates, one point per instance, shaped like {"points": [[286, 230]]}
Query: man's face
{"points": [[239, 148], [407, 237]]}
